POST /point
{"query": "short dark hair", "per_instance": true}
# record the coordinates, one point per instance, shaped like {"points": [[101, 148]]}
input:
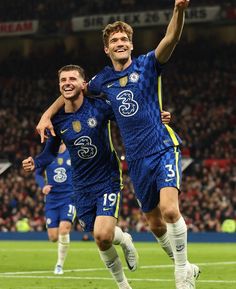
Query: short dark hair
{"points": [[118, 26], [71, 67]]}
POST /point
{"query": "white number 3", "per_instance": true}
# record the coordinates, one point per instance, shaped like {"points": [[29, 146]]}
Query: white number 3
{"points": [[171, 173]]}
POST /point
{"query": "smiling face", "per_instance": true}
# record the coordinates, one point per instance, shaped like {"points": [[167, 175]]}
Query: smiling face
{"points": [[119, 47], [71, 84], [117, 39]]}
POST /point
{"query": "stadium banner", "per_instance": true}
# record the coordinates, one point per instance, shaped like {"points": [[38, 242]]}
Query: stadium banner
{"points": [[18, 28], [4, 165], [186, 162], [146, 18]]}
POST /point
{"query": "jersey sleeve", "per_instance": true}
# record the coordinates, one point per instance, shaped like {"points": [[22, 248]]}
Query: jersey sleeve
{"points": [[39, 177], [109, 111], [149, 60], [95, 84], [49, 153]]}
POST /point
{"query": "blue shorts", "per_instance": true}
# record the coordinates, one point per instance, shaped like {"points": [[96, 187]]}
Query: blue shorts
{"points": [[63, 212], [154, 172], [91, 204]]}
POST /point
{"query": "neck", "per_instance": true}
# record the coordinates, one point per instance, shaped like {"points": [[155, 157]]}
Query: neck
{"points": [[121, 65], [72, 105]]}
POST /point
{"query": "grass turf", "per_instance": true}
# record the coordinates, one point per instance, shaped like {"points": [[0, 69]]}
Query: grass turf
{"points": [[29, 265]]}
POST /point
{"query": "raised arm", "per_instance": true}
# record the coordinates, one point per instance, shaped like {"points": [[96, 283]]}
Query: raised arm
{"points": [[173, 32], [45, 120]]}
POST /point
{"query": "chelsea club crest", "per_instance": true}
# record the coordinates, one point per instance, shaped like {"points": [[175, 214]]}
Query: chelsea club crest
{"points": [[134, 76], [92, 122]]}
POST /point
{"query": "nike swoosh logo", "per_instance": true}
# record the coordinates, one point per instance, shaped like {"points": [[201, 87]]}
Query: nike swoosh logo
{"points": [[110, 85], [179, 248], [63, 130], [168, 180], [106, 209]]}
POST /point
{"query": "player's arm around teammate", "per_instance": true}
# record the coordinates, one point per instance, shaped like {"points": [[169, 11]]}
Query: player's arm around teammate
{"points": [[45, 122]]}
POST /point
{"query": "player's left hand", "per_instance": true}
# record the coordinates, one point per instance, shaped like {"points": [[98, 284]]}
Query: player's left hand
{"points": [[165, 117], [43, 125], [182, 3]]}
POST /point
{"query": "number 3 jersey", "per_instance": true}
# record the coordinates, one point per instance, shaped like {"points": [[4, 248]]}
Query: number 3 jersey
{"points": [[135, 97], [58, 174], [86, 134]]}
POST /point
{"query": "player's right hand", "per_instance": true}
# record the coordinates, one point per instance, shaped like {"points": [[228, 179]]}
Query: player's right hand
{"points": [[42, 127], [28, 164], [183, 4], [46, 189]]}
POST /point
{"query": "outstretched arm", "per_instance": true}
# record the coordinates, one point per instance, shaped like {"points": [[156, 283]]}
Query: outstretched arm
{"points": [[173, 33], [45, 120]]}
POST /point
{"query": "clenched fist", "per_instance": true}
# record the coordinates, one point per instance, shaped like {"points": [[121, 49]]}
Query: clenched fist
{"points": [[182, 3], [28, 164]]}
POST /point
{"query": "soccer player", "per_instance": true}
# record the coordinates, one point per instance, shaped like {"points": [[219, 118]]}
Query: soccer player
{"points": [[55, 180], [84, 126], [133, 88]]}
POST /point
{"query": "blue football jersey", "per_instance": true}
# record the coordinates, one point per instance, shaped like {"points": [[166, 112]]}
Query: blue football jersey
{"points": [[86, 134], [58, 174], [135, 97]]}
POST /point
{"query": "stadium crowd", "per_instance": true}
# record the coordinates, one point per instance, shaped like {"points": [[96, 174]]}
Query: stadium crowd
{"points": [[62, 9], [201, 98]]}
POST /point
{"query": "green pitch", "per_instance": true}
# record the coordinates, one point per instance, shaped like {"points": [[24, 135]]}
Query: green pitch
{"points": [[29, 265]]}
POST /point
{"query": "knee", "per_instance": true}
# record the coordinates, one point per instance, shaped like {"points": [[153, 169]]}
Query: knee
{"points": [[170, 213], [53, 238], [64, 228], [103, 239]]}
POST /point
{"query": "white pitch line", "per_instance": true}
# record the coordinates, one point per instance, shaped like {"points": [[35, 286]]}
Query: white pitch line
{"points": [[111, 279], [104, 269]]}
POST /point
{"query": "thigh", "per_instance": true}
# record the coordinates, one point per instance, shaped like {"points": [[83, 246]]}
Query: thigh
{"points": [[67, 212], [144, 173], [104, 202], [171, 172], [52, 217], [108, 203]]}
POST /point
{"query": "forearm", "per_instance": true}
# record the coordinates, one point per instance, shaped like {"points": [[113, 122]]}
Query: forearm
{"points": [[48, 154], [175, 27], [54, 108], [39, 178], [172, 36]]}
